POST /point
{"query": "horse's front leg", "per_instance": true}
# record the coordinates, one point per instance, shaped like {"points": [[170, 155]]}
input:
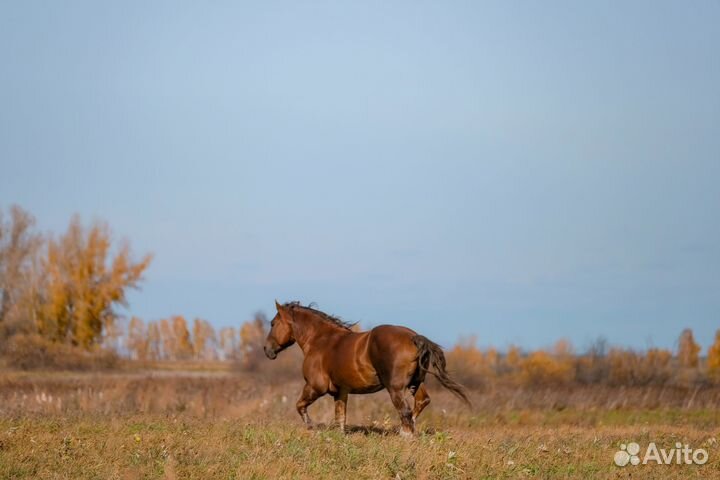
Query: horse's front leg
{"points": [[341, 408], [307, 397]]}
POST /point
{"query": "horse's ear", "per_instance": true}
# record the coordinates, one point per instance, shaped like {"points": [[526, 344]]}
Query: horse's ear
{"points": [[277, 305]]}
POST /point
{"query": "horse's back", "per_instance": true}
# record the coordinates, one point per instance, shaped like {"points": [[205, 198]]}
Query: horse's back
{"points": [[390, 336]]}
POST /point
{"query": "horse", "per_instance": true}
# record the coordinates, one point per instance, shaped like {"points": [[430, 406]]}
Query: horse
{"points": [[339, 361]]}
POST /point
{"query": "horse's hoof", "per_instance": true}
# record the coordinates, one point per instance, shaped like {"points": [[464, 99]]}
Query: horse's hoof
{"points": [[406, 433]]}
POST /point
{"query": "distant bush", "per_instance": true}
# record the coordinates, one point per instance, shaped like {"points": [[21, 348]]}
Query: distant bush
{"points": [[598, 365], [468, 364], [713, 359], [592, 367], [627, 367], [286, 367], [35, 352], [542, 368]]}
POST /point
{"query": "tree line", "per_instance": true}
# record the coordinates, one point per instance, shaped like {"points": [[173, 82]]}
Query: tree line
{"points": [[66, 291], [599, 364], [62, 294], [174, 339]]}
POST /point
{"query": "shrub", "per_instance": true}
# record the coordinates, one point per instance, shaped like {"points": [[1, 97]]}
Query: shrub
{"points": [[28, 352], [286, 367], [688, 350], [468, 364], [541, 368], [713, 358], [627, 367]]}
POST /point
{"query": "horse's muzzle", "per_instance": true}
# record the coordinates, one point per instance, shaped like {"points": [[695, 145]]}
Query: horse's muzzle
{"points": [[270, 353]]}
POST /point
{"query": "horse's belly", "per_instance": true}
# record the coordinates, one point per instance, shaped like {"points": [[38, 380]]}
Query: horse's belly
{"points": [[367, 389], [350, 367], [356, 381]]}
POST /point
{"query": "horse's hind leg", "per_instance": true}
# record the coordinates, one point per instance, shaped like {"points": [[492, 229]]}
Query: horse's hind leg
{"points": [[307, 397], [401, 400], [417, 386], [341, 408], [422, 400]]}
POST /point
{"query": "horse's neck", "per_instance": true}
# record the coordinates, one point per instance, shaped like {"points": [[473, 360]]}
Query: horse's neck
{"points": [[310, 328]]}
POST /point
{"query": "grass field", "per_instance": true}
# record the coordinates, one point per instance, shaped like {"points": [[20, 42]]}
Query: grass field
{"points": [[180, 425]]}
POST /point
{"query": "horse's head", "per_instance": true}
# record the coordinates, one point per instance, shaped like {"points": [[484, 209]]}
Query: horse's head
{"points": [[281, 334]]}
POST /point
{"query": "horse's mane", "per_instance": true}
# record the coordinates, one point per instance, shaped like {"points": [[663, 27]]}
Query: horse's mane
{"points": [[337, 321]]}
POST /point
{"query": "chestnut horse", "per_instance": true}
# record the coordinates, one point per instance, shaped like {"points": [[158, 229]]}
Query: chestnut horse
{"points": [[340, 361]]}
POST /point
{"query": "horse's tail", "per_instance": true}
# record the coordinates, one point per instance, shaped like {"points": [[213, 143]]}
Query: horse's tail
{"points": [[430, 352]]}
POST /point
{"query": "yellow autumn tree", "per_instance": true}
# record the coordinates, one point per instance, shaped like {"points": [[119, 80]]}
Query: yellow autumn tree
{"points": [[84, 281], [563, 349], [252, 338], [713, 358], [183, 344], [512, 358], [628, 367], [203, 340], [137, 339], [19, 244], [622, 366], [688, 350], [656, 366], [468, 363], [154, 341], [227, 342], [166, 340], [492, 360], [543, 368]]}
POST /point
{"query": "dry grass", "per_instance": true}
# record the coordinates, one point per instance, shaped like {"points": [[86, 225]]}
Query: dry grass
{"points": [[220, 425]]}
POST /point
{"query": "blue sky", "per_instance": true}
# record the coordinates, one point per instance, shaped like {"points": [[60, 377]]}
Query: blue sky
{"points": [[518, 171]]}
